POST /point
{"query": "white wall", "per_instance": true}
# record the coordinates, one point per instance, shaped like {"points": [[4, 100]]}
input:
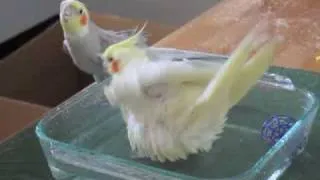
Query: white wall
{"points": [[19, 15]]}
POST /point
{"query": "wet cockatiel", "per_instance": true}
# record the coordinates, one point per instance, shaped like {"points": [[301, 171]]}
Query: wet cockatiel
{"points": [[83, 39], [176, 108]]}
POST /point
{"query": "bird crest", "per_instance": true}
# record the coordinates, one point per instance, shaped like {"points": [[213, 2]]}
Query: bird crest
{"points": [[76, 4], [138, 40]]}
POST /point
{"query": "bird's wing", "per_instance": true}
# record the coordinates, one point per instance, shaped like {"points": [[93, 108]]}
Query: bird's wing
{"points": [[176, 72], [160, 53], [215, 97], [169, 65], [252, 71], [235, 78]]}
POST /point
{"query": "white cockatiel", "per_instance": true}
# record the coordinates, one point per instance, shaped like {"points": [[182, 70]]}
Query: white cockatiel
{"points": [[176, 108], [83, 39]]}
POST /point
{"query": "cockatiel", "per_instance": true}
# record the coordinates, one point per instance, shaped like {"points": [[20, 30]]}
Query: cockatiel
{"points": [[83, 39], [176, 108]]}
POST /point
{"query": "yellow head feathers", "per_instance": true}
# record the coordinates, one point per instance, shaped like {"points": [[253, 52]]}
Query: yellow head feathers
{"points": [[74, 16], [118, 55], [135, 41]]}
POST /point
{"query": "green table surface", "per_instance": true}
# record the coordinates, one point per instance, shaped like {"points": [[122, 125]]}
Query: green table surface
{"points": [[21, 156]]}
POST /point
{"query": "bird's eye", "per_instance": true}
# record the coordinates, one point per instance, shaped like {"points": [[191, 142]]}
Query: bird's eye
{"points": [[110, 59], [81, 11]]}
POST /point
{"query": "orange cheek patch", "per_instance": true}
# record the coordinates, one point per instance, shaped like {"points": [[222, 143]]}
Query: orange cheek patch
{"points": [[83, 20], [115, 66]]}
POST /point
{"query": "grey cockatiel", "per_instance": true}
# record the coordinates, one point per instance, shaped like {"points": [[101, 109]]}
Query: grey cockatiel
{"points": [[83, 39], [176, 108]]}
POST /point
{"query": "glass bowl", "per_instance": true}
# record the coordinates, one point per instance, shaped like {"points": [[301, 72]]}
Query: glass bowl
{"points": [[85, 138]]}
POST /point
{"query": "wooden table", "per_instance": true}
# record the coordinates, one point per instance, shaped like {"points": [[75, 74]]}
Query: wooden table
{"points": [[16, 115], [220, 29]]}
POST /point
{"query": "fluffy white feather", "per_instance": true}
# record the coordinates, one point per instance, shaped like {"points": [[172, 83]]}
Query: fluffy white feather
{"points": [[177, 108]]}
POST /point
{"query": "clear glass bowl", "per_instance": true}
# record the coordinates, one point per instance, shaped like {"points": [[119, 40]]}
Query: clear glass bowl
{"points": [[85, 138]]}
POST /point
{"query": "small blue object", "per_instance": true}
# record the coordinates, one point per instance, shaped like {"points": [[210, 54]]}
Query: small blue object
{"points": [[275, 127]]}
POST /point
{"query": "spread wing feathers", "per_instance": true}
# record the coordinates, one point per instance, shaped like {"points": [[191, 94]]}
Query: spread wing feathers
{"points": [[252, 71], [173, 72], [230, 84]]}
